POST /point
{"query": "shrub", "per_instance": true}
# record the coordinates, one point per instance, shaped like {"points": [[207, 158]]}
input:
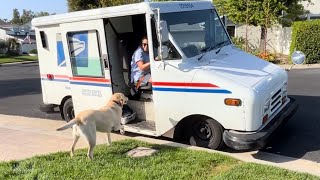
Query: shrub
{"points": [[3, 46], [33, 51], [239, 42], [306, 38], [268, 57], [13, 47]]}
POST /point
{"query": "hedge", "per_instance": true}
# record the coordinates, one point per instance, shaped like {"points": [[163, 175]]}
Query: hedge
{"points": [[306, 38], [33, 51]]}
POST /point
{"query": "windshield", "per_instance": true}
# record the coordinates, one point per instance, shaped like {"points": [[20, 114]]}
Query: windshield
{"points": [[196, 31]]}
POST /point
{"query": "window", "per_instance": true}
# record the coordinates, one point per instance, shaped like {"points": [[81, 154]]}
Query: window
{"points": [[84, 53], [43, 39], [196, 31], [231, 31], [60, 52], [173, 53]]}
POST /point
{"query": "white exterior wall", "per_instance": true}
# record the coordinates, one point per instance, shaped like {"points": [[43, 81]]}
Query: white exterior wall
{"points": [[278, 38], [25, 48], [3, 34], [314, 8]]}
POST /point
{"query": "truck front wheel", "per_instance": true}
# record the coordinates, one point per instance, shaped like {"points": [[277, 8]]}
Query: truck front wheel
{"points": [[206, 133], [68, 111]]}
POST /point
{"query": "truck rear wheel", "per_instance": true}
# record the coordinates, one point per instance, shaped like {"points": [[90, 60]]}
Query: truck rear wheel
{"points": [[206, 133], [68, 111]]}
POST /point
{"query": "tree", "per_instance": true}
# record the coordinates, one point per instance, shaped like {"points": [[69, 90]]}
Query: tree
{"points": [[13, 46], [42, 13], [15, 17], [107, 3], [263, 13], [27, 15], [77, 5]]}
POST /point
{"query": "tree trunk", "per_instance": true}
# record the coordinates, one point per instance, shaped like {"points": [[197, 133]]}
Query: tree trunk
{"points": [[263, 40]]}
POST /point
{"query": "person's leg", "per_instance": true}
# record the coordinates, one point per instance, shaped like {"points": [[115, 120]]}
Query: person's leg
{"points": [[147, 78]]}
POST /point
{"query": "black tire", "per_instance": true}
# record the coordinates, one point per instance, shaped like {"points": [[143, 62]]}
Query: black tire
{"points": [[68, 110], [206, 133]]}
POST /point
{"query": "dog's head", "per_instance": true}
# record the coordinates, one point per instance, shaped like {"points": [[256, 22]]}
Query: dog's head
{"points": [[119, 98]]}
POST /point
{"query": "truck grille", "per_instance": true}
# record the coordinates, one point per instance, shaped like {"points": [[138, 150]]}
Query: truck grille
{"points": [[276, 101]]}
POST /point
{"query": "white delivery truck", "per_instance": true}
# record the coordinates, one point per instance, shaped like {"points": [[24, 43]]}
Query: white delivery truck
{"points": [[204, 91]]}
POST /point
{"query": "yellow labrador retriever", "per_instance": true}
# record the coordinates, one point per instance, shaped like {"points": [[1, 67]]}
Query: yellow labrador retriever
{"points": [[105, 119]]}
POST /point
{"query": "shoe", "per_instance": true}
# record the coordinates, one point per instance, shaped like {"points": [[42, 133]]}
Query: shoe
{"points": [[127, 115]]}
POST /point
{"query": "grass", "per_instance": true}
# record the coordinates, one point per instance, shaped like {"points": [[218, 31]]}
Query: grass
{"points": [[112, 163], [11, 59]]}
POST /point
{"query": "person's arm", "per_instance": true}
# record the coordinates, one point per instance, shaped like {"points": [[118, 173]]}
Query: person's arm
{"points": [[143, 66], [139, 60]]}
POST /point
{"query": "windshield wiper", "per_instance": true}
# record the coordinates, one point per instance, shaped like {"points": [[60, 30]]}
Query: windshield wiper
{"points": [[209, 48], [206, 49], [219, 44]]}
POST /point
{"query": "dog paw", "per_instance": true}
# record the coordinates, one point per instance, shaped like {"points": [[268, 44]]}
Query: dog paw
{"points": [[122, 131]]}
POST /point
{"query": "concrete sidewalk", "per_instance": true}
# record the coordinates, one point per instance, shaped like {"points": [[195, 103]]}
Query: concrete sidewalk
{"points": [[23, 137]]}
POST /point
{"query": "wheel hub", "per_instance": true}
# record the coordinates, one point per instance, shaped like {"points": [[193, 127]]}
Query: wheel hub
{"points": [[203, 130]]}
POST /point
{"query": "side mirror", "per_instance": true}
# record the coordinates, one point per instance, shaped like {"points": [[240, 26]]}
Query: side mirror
{"points": [[163, 32], [297, 57], [164, 51]]}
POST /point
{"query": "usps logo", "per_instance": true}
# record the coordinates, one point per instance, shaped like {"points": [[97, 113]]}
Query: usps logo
{"points": [[78, 43]]}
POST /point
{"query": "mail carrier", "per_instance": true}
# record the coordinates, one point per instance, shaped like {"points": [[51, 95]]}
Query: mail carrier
{"points": [[204, 90]]}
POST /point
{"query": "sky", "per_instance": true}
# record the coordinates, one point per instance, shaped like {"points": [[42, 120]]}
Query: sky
{"points": [[50, 6]]}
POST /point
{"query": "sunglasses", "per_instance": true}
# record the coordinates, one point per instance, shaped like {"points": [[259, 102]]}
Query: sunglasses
{"points": [[144, 44]]}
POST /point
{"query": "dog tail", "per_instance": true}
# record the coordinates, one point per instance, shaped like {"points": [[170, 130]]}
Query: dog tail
{"points": [[68, 125]]}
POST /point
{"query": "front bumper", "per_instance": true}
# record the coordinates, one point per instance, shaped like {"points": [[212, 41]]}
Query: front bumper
{"points": [[257, 140]]}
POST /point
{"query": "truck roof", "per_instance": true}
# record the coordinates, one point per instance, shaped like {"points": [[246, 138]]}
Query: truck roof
{"points": [[123, 10]]}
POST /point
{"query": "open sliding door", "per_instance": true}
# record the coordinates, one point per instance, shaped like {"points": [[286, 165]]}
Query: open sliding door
{"points": [[85, 46]]}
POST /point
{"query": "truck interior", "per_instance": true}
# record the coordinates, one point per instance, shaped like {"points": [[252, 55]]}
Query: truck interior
{"points": [[123, 35]]}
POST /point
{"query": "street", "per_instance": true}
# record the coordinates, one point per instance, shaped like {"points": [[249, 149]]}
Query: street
{"points": [[20, 91], [20, 95], [300, 137]]}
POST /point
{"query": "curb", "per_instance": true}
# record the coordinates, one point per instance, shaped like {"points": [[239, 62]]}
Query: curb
{"points": [[304, 66], [284, 162], [17, 63]]}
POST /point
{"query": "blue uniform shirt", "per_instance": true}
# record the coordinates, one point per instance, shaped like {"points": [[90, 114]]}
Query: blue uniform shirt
{"points": [[138, 55]]}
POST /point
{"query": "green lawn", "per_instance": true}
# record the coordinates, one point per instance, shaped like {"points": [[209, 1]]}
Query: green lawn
{"points": [[112, 163], [11, 59]]}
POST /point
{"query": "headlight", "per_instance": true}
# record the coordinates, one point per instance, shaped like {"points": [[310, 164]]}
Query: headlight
{"points": [[284, 90], [266, 106]]}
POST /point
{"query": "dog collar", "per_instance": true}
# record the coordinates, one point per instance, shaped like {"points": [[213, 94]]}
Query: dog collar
{"points": [[117, 103]]}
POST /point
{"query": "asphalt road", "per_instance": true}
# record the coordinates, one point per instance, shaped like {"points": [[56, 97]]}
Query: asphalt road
{"points": [[300, 138], [20, 94], [20, 91]]}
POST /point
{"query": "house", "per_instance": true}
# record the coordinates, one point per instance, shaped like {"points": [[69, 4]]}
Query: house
{"points": [[278, 37], [24, 35], [313, 8]]}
